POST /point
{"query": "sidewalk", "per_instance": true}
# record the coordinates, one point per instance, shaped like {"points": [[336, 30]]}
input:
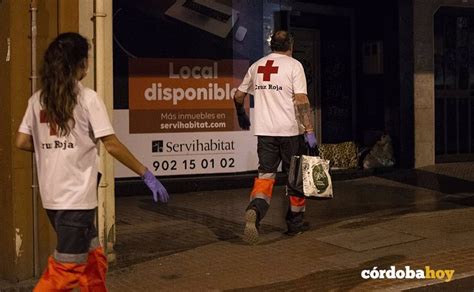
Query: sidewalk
{"points": [[414, 218]]}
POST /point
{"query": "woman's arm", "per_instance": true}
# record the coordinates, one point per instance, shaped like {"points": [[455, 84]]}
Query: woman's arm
{"points": [[122, 154], [24, 142]]}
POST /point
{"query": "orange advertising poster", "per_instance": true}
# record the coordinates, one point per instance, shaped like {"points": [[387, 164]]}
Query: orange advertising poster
{"points": [[183, 95]]}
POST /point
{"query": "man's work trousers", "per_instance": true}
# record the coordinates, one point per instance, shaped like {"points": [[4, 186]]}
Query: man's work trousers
{"points": [[272, 151]]}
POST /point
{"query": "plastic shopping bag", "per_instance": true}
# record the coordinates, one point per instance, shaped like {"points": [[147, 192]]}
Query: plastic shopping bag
{"points": [[309, 176]]}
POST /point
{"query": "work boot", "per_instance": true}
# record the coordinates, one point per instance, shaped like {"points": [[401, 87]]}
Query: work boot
{"points": [[297, 229], [251, 229]]}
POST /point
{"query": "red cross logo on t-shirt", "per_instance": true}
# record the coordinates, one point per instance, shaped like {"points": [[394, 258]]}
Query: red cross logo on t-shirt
{"points": [[52, 126], [267, 70]]}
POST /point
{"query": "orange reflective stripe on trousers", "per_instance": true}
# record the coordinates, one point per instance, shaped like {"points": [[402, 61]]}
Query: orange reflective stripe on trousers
{"points": [[93, 278], [262, 189], [60, 276], [297, 204]]}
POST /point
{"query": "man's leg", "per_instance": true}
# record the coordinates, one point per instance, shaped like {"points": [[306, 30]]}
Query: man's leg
{"points": [[295, 216], [259, 203], [68, 262], [260, 197], [291, 146]]}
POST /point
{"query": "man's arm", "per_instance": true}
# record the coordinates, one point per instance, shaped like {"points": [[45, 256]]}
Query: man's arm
{"points": [[239, 98], [303, 110], [122, 154], [243, 118], [24, 142]]}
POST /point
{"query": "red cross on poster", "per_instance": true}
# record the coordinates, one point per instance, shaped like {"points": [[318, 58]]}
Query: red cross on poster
{"points": [[267, 70], [44, 120]]}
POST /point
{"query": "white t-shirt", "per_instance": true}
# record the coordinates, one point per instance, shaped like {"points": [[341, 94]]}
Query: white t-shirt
{"points": [[273, 81], [67, 166]]}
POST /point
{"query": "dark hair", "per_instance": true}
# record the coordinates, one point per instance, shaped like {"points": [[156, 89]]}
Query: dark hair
{"points": [[281, 41], [64, 59]]}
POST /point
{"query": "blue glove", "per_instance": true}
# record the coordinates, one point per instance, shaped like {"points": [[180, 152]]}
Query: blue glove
{"points": [[159, 191], [310, 138], [244, 121]]}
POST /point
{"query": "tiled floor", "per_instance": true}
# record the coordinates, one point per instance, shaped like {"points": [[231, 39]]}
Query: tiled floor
{"points": [[414, 218], [419, 218]]}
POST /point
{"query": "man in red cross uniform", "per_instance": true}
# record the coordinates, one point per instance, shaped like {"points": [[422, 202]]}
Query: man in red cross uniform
{"points": [[281, 123]]}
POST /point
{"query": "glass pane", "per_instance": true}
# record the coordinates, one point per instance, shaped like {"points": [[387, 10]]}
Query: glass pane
{"points": [[439, 72], [462, 53], [471, 65], [450, 77], [463, 125], [462, 31], [463, 77], [439, 52], [451, 126], [450, 32], [472, 126], [471, 52], [439, 128]]}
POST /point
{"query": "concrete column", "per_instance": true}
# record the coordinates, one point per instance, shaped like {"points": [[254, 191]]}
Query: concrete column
{"points": [[424, 99], [424, 83]]}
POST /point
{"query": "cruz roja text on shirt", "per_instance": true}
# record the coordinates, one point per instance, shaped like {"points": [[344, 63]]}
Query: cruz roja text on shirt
{"points": [[269, 86], [58, 145]]}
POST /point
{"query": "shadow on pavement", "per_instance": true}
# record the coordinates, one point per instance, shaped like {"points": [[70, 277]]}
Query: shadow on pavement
{"points": [[432, 181], [193, 229], [223, 229], [328, 280]]}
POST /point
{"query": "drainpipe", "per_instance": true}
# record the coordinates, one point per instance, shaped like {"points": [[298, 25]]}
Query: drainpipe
{"points": [[34, 77], [106, 203]]}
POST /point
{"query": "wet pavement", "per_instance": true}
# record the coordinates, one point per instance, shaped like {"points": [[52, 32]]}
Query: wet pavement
{"points": [[406, 218], [414, 218]]}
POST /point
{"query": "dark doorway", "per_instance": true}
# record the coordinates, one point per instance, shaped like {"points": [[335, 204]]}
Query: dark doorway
{"points": [[330, 67], [454, 84], [307, 51]]}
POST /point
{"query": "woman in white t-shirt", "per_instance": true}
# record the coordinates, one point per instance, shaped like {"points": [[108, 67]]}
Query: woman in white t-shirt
{"points": [[62, 125]]}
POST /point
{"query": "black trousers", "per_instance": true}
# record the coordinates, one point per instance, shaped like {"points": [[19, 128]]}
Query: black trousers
{"points": [[271, 151], [74, 230]]}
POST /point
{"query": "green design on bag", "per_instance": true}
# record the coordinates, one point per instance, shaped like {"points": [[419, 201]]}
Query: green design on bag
{"points": [[320, 179]]}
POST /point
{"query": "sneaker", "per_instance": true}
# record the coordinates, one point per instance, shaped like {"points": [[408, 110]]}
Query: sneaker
{"points": [[251, 231], [296, 230]]}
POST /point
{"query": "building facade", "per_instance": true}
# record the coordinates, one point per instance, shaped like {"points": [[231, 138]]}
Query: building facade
{"points": [[399, 67]]}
